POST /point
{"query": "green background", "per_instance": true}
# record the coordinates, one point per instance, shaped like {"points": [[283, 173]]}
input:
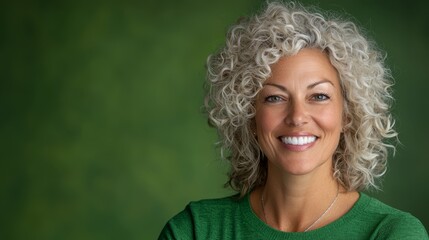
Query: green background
{"points": [[101, 127]]}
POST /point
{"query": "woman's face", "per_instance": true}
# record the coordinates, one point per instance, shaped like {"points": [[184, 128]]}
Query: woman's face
{"points": [[299, 113]]}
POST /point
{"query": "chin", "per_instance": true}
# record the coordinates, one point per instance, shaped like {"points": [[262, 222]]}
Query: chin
{"points": [[298, 171], [301, 167]]}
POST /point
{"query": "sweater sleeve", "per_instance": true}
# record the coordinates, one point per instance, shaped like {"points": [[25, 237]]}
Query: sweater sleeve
{"points": [[179, 227], [403, 227]]}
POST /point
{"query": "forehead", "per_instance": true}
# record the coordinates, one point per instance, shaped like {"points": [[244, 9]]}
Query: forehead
{"points": [[307, 66]]}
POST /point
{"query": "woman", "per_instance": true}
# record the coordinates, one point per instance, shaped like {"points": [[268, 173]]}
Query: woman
{"points": [[301, 103]]}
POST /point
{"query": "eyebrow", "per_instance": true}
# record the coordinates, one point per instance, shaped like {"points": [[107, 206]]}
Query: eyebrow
{"points": [[308, 87], [276, 85], [319, 82]]}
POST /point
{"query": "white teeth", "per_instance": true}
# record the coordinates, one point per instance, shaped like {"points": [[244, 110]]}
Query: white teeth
{"points": [[298, 140]]}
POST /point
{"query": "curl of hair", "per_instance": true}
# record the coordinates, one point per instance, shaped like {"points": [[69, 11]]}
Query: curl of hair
{"points": [[236, 72]]}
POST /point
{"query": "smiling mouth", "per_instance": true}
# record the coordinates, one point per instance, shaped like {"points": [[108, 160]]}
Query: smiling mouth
{"points": [[298, 140]]}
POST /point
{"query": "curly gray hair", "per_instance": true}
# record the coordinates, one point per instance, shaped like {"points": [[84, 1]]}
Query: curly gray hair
{"points": [[235, 75]]}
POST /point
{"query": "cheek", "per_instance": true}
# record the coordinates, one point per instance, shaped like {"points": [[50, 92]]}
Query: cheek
{"points": [[331, 119], [266, 120]]}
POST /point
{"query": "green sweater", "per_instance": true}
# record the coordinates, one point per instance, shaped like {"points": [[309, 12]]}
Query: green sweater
{"points": [[232, 218]]}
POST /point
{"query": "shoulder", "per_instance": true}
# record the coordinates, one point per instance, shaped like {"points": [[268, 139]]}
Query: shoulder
{"points": [[393, 223], [402, 226], [197, 214], [219, 206]]}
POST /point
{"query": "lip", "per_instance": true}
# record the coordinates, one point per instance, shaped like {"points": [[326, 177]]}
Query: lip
{"points": [[298, 134], [298, 148]]}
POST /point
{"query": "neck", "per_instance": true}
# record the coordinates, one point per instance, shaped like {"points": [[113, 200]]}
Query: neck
{"points": [[298, 201]]}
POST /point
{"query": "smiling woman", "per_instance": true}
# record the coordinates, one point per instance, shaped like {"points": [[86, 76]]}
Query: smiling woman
{"points": [[301, 104]]}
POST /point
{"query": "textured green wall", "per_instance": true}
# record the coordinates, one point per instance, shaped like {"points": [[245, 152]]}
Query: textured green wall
{"points": [[101, 129]]}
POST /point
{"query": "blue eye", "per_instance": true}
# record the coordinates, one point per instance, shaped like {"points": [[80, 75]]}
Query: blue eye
{"points": [[320, 97], [273, 99]]}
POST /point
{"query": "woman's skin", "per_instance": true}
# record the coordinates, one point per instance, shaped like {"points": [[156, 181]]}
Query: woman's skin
{"points": [[298, 123]]}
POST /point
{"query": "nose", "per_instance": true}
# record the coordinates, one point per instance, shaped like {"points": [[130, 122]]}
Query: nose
{"points": [[296, 114]]}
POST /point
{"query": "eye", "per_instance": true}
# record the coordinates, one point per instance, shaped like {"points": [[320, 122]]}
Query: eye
{"points": [[320, 97], [273, 99]]}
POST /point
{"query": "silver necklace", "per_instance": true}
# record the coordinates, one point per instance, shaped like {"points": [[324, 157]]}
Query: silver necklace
{"points": [[315, 222]]}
